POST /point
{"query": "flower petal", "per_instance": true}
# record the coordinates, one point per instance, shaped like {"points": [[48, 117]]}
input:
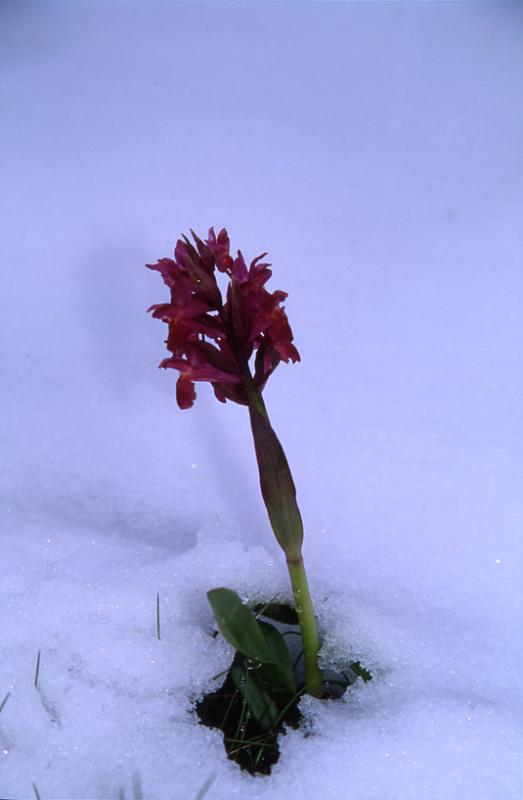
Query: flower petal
{"points": [[185, 392], [220, 248], [167, 269]]}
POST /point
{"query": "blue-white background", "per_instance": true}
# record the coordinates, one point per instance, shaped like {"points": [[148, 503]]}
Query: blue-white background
{"points": [[374, 149]]}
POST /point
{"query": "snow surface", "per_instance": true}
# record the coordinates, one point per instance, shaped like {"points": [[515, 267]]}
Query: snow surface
{"points": [[375, 151]]}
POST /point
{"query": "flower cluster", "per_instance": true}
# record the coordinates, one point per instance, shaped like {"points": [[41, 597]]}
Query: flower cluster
{"points": [[212, 340]]}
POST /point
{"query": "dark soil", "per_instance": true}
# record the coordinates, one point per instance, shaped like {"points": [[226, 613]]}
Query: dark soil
{"points": [[244, 740]]}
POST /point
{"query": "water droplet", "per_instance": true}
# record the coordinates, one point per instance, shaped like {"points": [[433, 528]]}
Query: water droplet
{"points": [[299, 608], [251, 664]]}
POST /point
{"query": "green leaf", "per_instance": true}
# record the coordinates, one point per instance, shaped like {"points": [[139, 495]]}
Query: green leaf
{"points": [[238, 624], [277, 670], [258, 641], [360, 671], [256, 695], [277, 486]]}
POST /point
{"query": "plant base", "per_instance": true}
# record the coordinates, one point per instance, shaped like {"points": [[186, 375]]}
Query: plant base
{"points": [[246, 742]]}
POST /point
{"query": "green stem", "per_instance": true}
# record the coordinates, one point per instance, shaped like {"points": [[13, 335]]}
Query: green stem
{"points": [[307, 620], [298, 576]]}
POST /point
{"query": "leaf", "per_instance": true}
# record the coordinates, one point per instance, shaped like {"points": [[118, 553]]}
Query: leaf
{"points": [[277, 486], [238, 624], [278, 670], [360, 671], [258, 641], [255, 694]]}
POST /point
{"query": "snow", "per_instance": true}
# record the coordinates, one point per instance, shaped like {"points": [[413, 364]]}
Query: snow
{"points": [[374, 150]]}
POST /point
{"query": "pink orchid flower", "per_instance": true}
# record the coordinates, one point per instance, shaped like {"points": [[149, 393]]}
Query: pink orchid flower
{"points": [[212, 340]]}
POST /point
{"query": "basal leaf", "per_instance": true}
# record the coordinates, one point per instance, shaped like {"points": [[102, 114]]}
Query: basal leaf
{"points": [[252, 687], [238, 624], [277, 669], [258, 641]]}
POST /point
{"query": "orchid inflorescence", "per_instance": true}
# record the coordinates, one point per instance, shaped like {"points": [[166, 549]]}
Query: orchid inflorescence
{"points": [[214, 340]]}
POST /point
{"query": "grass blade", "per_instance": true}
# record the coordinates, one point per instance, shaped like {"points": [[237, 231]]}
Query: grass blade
{"points": [[137, 787], [37, 670], [205, 788], [4, 701]]}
